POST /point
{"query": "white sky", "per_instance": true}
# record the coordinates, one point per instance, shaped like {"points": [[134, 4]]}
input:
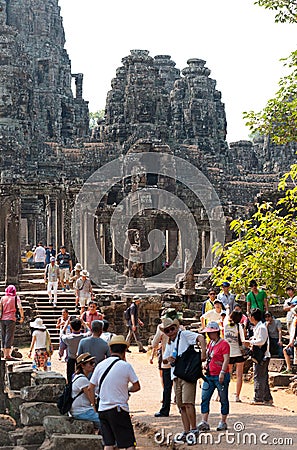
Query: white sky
{"points": [[239, 41]]}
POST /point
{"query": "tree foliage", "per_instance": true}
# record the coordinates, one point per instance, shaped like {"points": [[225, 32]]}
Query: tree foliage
{"points": [[94, 116], [265, 245], [279, 117]]}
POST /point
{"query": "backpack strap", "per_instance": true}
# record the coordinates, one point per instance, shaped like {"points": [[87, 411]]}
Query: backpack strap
{"points": [[81, 391], [105, 373]]}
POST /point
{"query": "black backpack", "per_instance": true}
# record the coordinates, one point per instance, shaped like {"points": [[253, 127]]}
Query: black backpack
{"points": [[127, 314], [188, 365], [65, 400]]}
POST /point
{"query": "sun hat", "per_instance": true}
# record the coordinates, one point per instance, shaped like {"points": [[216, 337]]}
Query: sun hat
{"points": [[118, 339], [84, 358], [10, 290], [167, 322], [211, 327], [52, 258], [136, 297], [78, 266], [38, 323], [84, 273]]}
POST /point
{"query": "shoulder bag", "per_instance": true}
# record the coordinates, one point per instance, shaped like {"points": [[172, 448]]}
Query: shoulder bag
{"points": [[188, 365], [101, 381]]}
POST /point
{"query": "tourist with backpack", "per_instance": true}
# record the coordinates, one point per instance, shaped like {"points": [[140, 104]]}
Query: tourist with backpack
{"points": [[179, 342], [133, 323], [82, 407]]}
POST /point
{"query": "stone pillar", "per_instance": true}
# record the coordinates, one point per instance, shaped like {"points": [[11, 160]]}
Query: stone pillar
{"points": [[172, 245], [102, 240], [78, 85], [13, 250], [203, 253], [3, 213], [59, 222]]}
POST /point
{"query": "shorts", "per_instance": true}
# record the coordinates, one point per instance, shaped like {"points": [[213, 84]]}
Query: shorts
{"points": [[236, 359], [116, 427], [84, 300], [185, 392], [64, 274]]}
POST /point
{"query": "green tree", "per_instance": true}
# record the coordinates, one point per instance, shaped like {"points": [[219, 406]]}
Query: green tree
{"points": [[94, 116], [279, 117], [265, 244]]}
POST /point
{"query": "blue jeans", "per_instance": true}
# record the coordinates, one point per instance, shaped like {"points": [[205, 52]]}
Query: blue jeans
{"points": [[208, 389], [89, 414]]}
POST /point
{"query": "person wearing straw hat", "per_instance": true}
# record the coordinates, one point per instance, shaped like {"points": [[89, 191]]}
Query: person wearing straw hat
{"points": [[8, 306], [83, 291], [115, 379], [217, 377], [75, 274], [185, 392], [82, 407], [40, 336]]}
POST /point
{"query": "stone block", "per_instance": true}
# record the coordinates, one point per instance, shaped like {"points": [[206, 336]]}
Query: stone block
{"points": [[32, 435], [47, 378], [66, 425], [279, 379], [73, 442], [15, 402], [42, 393], [7, 425], [17, 380], [33, 413]]}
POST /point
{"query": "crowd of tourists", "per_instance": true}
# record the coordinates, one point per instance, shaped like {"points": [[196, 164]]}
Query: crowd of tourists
{"points": [[96, 358]]}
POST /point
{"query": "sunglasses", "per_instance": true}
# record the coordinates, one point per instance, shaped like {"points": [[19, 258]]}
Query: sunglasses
{"points": [[212, 293], [169, 330]]}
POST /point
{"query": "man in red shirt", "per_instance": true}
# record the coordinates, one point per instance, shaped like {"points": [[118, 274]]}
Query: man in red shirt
{"points": [[91, 314]]}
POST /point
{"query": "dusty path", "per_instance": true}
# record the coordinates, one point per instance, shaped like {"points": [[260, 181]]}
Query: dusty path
{"points": [[249, 426]]}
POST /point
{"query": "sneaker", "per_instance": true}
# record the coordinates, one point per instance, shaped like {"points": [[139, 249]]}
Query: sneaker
{"points": [[256, 402], [67, 287], [143, 350], [55, 305], [268, 402], [237, 399], [50, 301], [286, 372], [179, 438], [63, 289], [202, 426], [222, 426]]}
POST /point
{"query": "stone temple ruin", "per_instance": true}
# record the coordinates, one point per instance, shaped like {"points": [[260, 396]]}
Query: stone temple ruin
{"points": [[48, 151]]}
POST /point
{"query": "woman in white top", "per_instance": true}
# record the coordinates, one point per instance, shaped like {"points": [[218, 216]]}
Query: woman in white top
{"points": [[234, 335], [82, 406], [41, 341]]}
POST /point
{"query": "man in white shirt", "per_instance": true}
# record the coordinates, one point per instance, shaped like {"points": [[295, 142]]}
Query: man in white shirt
{"points": [[185, 392], [113, 392], [289, 304], [260, 338], [213, 315], [39, 256]]}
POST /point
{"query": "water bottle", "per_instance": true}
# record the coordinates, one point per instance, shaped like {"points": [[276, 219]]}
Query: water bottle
{"points": [[33, 365], [174, 355], [48, 365]]}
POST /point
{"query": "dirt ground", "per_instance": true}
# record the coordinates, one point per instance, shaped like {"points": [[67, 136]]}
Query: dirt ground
{"points": [[253, 426]]}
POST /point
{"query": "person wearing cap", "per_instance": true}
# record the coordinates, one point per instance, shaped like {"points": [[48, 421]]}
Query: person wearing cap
{"points": [[39, 344], [51, 277], [207, 305], [93, 344], [119, 382], [274, 328], [291, 348], [226, 297], [82, 407], [75, 274], [64, 262], [260, 338], [83, 290], [185, 392], [8, 304], [256, 298], [133, 323], [217, 377]]}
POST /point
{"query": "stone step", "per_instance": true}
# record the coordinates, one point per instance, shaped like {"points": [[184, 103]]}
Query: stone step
{"points": [[74, 442]]}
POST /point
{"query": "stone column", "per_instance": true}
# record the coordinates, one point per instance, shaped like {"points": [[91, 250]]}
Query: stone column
{"points": [[59, 222], [3, 213], [172, 245], [203, 253], [13, 250]]}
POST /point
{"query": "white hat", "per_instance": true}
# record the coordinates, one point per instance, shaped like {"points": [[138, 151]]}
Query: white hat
{"points": [[84, 273], [78, 266], [52, 258], [38, 323]]}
